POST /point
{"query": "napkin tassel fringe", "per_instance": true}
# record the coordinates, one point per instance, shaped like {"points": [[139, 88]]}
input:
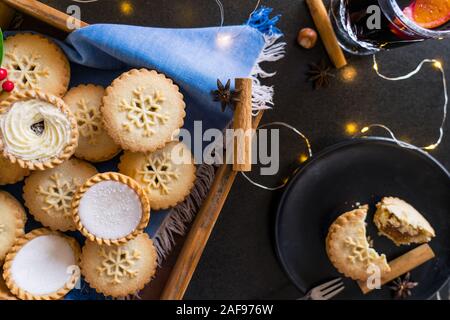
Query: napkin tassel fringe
{"points": [[181, 216], [262, 97], [273, 50]]}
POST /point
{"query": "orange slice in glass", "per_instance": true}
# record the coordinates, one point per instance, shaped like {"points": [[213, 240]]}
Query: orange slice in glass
{"points": [[429, 14]]}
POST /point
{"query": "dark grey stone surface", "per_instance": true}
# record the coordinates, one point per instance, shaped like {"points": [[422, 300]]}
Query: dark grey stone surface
{"points": [[239, 260]]}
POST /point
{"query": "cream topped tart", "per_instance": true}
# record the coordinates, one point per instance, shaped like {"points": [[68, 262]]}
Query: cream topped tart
{"points": [[401, 222], [110, 208], [42, 265], [37, 130]]}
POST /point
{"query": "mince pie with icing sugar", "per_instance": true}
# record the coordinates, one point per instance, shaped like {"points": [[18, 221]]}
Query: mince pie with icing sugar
{"points": [[110, 208], [42, 265]]}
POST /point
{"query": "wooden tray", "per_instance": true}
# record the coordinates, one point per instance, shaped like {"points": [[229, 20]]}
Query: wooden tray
{"points": [[173, 278]]}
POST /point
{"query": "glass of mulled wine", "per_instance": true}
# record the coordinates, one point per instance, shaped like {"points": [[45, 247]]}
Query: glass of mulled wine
{"points": [[368, 26]]}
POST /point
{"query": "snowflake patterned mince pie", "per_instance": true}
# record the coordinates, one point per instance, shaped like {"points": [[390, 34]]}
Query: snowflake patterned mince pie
{"points": [[42, 265], [48, 194], [119, 270], [12, 222], [142, 110], [401, 222], [94, 144], [110, 208], [348, 249], [36, 63], [37, 130], [167, 175]]}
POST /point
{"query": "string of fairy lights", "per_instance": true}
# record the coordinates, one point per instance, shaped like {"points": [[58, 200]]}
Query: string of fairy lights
{"points": [[438, 65], [302, 157]]}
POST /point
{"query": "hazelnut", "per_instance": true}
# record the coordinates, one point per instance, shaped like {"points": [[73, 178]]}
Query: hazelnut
{"points": [[307, 38]]}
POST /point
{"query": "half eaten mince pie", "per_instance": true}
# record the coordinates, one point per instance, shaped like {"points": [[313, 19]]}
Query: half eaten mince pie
{"points": [[348, 249], [401, 222]]}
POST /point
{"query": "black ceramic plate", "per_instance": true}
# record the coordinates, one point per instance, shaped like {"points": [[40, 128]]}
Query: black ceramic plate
{"points": [[362, 170]]}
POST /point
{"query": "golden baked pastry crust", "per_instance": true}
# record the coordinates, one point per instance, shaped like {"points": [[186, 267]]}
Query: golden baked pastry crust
{"points": [[11, 172], [402, 223], [48, 194], [94, 144], [166, 181], [12, 222], [348, 249], [142, 110], [35, 62], [121, 270], [5, 294]]}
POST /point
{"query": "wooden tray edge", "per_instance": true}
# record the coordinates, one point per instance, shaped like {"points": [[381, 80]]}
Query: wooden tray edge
{"points": [[45, 13]]}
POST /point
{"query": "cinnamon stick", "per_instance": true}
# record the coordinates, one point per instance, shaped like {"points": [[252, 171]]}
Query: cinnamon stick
{"points": [[323, 25], [242, 126], [401, 265]]}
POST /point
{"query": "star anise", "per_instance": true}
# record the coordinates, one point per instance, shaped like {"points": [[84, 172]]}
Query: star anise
{"points": [[225, 95], [319, 74], [402, 286]]}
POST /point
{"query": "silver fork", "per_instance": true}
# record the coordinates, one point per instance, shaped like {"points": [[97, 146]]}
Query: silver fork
{"points": [[325, 291]]}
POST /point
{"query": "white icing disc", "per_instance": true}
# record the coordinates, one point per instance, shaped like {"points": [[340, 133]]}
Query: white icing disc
{"points": [[43, 265], [110, 210]]}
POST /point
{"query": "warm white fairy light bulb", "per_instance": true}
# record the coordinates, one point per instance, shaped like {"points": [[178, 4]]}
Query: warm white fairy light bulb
{"points": [[223, 40], [375, 66], [437, 64]]}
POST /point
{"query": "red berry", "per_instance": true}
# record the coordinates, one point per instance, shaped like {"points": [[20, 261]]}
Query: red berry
{"points": [[3, 74], [8, 86]]}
